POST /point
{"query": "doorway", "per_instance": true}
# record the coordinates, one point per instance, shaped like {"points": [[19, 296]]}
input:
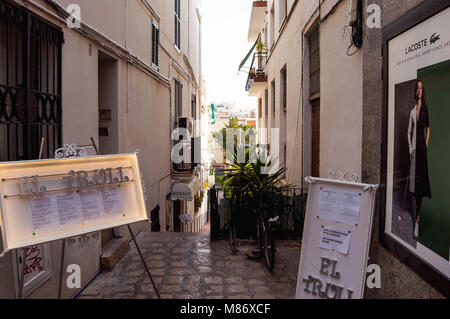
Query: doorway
{"points": [[177, 207], [108, 104]]}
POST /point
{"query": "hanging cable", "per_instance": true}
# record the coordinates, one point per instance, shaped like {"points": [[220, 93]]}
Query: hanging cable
{"points": [[356, 35]]}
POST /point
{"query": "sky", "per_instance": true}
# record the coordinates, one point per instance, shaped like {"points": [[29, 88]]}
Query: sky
{"points": [[224, 39]]}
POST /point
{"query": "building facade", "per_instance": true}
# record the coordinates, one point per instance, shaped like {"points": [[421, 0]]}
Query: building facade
{"points": [[318, 75], [122, 72]]}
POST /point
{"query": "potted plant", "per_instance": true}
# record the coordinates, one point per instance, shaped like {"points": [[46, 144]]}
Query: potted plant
{"points": [[260, 48], [252, 73], [198, 201]]}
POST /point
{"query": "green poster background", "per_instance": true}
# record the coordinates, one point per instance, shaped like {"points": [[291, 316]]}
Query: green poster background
{"points": [[435, 217]]}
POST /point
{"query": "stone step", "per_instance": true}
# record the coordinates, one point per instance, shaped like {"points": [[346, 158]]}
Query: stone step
{"points": [[113, 252]]}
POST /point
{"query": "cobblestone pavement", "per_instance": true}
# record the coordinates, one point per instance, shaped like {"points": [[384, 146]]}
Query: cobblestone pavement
{"points": [[188, 266]]}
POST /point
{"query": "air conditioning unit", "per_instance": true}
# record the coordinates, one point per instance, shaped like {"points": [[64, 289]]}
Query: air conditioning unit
{"points": [[191, 145], [187, 123]]}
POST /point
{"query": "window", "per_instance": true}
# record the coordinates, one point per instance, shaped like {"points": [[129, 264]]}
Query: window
{"points": [[273, 98], [178, 24], [194, 112], [272, 24], [315, 143], [30, 85], [259, 108], [314, 93], [155, 44], [178, 100], [3, 61], [194, 106], [266, 101], [283, 89], [314, 63]]}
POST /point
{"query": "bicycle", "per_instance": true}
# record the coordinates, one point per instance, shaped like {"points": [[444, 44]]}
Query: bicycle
{"points": [[265, 240]]}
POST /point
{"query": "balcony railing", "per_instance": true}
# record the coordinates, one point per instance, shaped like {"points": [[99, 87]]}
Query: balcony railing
{"points": [[257, 72]]}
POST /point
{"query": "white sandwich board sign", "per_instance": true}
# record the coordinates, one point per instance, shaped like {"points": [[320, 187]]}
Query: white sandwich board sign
{"points": [[47, 200], [336, 240]]}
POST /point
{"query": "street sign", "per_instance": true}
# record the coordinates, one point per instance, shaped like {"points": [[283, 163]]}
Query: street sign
{"points": [[336, 240], [48, 200]]}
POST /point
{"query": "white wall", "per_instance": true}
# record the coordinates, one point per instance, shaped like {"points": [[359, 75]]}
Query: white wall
{"points": [[341, 98]]}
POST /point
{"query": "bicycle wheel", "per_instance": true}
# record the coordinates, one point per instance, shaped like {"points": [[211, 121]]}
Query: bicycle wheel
{"points": [[260, 236], [269, 249]]}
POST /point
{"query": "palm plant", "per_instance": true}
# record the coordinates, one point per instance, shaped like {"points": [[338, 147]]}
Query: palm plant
{"points": [[249, 180], [260, 47], [250, 189]]}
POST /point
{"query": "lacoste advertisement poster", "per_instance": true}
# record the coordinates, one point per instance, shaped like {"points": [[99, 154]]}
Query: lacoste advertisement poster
{"points": [[418, 167]]}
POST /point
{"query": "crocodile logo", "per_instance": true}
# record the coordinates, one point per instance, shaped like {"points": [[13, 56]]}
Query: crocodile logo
{"points": [[434, 38]]}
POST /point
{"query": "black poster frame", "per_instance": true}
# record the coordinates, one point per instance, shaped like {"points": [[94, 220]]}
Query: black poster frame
{"points": [[406, 22]]}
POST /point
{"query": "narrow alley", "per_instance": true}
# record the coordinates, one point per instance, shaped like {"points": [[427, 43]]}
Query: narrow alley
{"points": [[188, 266]]}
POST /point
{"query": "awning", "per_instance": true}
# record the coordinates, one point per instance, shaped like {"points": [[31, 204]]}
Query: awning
{"points": [[213, 122], [249, 54], [185, 190]]}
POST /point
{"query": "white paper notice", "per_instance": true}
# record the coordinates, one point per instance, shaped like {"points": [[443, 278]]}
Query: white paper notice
{"points": [[43, 214], [340, 206], [328, 204], [91, 205], [335, 239], [112, 202], [69, 210], [350, 207]]}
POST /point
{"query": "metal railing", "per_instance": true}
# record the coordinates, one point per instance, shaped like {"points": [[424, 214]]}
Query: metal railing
{"points": [[256, 69], [196, 225], [290, 207]]}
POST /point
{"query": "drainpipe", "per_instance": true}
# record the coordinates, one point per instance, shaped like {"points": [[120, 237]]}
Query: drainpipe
{"points": [[128, 51]]}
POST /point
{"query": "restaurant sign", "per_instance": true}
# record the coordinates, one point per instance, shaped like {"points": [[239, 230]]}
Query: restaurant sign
{"points": [[47, 200]]}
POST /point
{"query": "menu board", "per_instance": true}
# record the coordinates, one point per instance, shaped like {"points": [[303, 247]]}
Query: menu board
{"points": [[336, 240], [47, 200]]}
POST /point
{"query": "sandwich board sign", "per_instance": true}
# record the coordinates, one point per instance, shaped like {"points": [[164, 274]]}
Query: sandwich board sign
{"points": [[47, 200], [336, 240]]}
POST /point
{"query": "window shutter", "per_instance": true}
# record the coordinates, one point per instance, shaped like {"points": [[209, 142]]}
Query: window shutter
{"points": [[155, 44], [177, 25], [180, 99], [157, 47]]}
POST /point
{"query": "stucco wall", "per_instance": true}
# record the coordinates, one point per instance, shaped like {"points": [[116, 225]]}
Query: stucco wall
{"points": [[287, 51], [340, 97]]}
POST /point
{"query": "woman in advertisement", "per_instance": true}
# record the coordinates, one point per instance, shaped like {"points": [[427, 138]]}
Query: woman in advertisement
{"points": [[418, 141]]}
